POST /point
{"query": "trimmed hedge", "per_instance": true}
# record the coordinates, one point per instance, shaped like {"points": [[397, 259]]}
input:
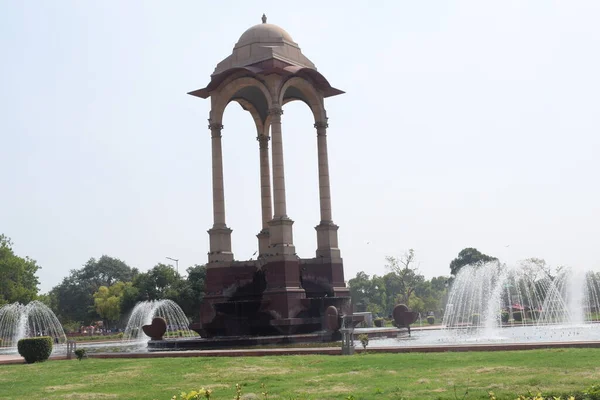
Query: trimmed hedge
{"points": [[80, 354], [35, 349]]}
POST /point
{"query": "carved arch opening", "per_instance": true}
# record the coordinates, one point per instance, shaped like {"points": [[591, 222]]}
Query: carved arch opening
{"points": [[297, 88], [246, 91]]}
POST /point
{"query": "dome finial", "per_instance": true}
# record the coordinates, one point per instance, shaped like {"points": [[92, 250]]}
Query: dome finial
{"points": [[264, 19]]}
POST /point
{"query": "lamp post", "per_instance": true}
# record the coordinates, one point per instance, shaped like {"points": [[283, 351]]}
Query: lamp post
{"points": [[176, 262]]}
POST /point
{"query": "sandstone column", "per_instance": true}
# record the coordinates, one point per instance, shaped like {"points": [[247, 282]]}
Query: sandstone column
{"points": [[281, 239], [324, 186], [265, 193], [220, 234], [278, 170], [327, 240]]}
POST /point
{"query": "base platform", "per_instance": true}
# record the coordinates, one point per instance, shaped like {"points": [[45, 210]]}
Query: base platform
{"points": [[226, 342]]}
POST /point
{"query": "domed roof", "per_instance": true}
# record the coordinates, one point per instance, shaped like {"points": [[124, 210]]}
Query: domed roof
{"points": [[262, 33], [266, 49], [261, 43]]}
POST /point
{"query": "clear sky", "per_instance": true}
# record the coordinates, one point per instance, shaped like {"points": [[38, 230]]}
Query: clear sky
{"points": [[465, 124]]}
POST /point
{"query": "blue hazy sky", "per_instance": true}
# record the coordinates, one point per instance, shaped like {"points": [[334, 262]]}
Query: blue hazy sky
{"points": [[465, 124]]}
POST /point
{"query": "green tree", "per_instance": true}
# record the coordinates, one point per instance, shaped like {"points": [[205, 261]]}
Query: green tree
{"points": [[408, 277], [380, 295], [18, 279], [74, 300], [393, 286], [157, 283], [416, 303], [432, 293], [196, 278], [469, 256], [163, 282], [48, 299], [107, 300], [105, 271], [361, 291]]}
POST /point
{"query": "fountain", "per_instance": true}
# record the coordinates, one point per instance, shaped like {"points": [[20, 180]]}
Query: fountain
{"points": [[18, 321], [493, 303], [145, 311], [481, 293]]}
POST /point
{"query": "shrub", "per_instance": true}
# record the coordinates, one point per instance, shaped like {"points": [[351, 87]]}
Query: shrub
{"points": [[431, 320], [35, 349], [504, 316], [593, 392], [80, 354], [475, 319], [518, 316], [120, 335], [194, 395], [378, 322], [364, 340]]}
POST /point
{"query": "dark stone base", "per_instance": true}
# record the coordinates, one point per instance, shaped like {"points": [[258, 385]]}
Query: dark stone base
{"points": [[239, 341], [279, 297]]}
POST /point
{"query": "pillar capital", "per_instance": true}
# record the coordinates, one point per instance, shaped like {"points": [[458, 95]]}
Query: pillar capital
{"points": [[214, 125], [215, 129], [263, 141], [321, 126], [275, 111]]}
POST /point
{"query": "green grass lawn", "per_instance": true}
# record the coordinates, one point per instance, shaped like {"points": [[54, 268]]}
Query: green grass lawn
{"points": [[364, 376]]}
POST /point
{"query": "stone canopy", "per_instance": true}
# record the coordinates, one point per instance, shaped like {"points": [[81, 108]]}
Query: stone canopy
{"points": [[264, 49], [278, 293]]}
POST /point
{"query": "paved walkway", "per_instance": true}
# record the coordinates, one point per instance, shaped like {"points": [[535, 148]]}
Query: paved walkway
{"points": [[338, 351], [7, 359], [11, 359], [16, 359]]}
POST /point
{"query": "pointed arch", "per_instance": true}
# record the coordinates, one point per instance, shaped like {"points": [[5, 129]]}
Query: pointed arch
{"points": [[249, 89], [297, 88]]}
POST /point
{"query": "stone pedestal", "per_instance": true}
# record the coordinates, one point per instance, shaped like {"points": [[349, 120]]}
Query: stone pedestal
{"points": [[281, 295], [327, 241], [220, 244], [263, 242], [281, 241]]}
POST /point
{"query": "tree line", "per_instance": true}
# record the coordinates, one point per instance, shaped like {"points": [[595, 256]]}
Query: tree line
{"points": [[104, 289], [18, 279], [107, 288], [403, 284]]}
